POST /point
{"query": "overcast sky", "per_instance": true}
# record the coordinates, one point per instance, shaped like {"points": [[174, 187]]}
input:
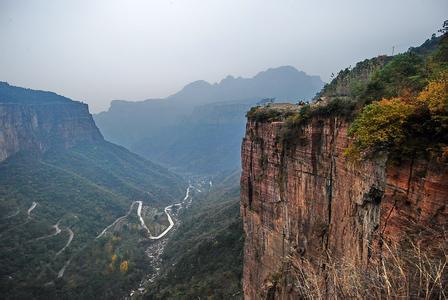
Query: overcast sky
{"points": [[97, 51]]}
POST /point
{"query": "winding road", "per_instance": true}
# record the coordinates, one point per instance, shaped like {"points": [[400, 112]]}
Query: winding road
{"points": [[117, 220], [155, 250], [33, 206], [139, 213], [12, 215], [142, 222], [170, 220], [57, 231], [70, 238], [62, 270]]}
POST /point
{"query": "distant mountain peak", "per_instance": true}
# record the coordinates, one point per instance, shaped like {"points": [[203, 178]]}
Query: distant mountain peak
{"points": [[284, 82], [282, 71], [286, 68], [228, 78], [197, 85], [201, 126]]}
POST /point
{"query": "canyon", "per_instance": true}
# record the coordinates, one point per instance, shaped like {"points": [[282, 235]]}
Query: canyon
{"points": [[61, 185]]}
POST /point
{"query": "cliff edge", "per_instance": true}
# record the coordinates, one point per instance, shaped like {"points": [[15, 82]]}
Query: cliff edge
{"points": [[322, 223], [36, 121]]}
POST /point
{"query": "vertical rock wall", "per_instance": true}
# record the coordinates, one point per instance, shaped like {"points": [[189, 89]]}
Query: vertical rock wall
{"points": [[36, 127], [308, 202]]}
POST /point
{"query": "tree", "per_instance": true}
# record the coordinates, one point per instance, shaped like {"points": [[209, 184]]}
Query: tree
{"points": [[435, 95], [380, 126], [124, 266], [444, 28]]}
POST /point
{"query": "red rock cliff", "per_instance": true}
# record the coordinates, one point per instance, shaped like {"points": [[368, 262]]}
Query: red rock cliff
{"points": [[309, 202]]}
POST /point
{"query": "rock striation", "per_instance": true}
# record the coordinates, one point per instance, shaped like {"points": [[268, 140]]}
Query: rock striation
{"points": [[309, 203]]}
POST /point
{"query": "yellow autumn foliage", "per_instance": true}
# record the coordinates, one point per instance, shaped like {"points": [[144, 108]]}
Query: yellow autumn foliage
{"points": [[390, 123], [435, 95], [380, 124], [124, 266]]}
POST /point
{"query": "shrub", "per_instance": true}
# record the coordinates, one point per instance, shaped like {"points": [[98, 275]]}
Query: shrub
{"points": [[264, 114], [413, 272], [380, 125], [292, 132], [407, 124], [336, 107], [436, 95]]}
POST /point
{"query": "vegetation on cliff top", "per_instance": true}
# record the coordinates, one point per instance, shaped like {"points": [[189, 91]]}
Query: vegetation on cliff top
{"points": [[406, 125], [396, 104], [17, 95], [410, 114]]}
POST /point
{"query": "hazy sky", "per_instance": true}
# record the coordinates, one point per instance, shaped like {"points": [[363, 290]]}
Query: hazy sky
{"points": [[97, 51]]}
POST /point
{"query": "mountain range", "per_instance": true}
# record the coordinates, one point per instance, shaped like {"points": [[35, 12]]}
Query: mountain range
{"points": [[199, 129]]}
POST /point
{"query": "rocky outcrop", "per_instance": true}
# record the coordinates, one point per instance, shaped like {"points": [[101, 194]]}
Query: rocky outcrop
{"points": [[38, 125], [309, 203]]}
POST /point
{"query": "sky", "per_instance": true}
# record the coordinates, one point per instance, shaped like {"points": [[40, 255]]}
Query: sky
{"points": [[98, 51]]}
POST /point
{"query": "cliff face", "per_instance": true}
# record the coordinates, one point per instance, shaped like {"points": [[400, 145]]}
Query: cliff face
{"points": [[39, 126], [33, 120], [309, 203]]}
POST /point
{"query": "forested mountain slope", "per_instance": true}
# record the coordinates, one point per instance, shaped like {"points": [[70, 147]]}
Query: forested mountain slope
{"points": [[61, 185]]}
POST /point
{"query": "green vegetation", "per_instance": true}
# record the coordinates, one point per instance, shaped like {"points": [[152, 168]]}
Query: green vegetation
{"points": [[297, 116], [351, 82], [267, 114], [83, 189], [341, 107], [107, 267], [381, 125], [411, 119], [203, 258], [10, 94], [387, 77], [397, 105], [119, 170]]}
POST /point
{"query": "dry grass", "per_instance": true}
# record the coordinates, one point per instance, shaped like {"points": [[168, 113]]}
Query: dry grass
{"points": [[410, 271]]}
